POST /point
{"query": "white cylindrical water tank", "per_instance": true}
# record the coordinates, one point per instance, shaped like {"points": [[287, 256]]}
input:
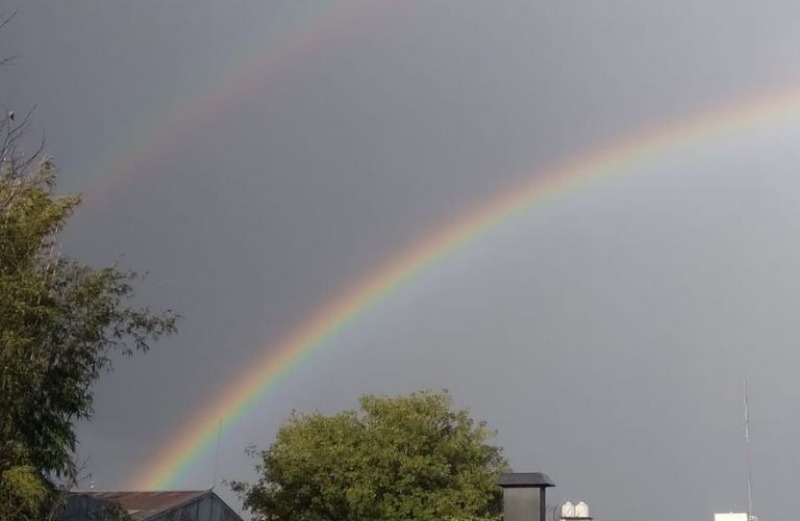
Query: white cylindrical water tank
{"points": [[582, 510]]}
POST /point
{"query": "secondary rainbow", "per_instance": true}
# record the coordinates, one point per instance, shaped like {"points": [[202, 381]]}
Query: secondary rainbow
{"points": [[195, 441], [311, 26]]}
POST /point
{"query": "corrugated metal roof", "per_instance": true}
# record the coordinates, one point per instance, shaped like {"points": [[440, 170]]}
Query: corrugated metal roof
{"points": [[142, 505]]}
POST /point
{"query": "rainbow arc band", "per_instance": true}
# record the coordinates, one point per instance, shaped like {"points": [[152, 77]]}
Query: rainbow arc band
{"points": [[626, 156]]}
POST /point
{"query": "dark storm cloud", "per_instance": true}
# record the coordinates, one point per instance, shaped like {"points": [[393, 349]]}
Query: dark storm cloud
{"points": [[605, 335]]}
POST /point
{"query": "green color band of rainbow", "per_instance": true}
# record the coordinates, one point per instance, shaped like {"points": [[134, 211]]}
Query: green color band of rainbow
{"points": [[198, 438]]}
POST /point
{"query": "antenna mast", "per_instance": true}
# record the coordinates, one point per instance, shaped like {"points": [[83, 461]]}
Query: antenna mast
{"points": [[216, 461], [748, 454]]}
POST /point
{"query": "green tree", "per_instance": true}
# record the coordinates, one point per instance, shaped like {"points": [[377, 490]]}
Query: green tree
{"points": [[398, 458], [61, 322]]}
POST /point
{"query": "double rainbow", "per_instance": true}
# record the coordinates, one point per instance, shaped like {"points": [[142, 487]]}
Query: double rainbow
{"points": [[626, 156]]}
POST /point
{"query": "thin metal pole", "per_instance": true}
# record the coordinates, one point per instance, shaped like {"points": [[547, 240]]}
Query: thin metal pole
{"points": [[216, 461], [748, 453]]}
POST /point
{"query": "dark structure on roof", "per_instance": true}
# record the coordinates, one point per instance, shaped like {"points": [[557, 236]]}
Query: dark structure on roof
{"points": [[525, 479], [524, 495], [185, 505]]}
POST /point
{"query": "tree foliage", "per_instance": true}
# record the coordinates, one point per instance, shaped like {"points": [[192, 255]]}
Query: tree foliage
{"points": [[398, 458], [60, 323]]}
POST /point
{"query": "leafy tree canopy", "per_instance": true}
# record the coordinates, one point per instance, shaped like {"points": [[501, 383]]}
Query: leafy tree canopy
{"points": [[60, 323], [398, 458]]}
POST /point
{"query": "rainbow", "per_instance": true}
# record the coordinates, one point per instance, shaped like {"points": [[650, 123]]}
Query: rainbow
{"points": [[197, 438], [311, 26]]}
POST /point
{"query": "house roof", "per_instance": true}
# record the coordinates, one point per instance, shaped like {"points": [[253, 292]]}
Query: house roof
{"points": [[143, 505]]}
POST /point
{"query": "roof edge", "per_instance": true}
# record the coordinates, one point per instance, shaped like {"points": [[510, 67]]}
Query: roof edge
{"points": [[525, 480]]}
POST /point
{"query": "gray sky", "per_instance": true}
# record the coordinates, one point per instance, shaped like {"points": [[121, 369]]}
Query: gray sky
{"points": [[605, 334]]}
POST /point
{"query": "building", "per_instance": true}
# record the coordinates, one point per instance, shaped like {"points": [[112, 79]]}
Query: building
{"points": [[734, 516], [186, 505]]}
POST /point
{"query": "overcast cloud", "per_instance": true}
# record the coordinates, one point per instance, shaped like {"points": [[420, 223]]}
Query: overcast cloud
{"points": [[604, 334]]}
